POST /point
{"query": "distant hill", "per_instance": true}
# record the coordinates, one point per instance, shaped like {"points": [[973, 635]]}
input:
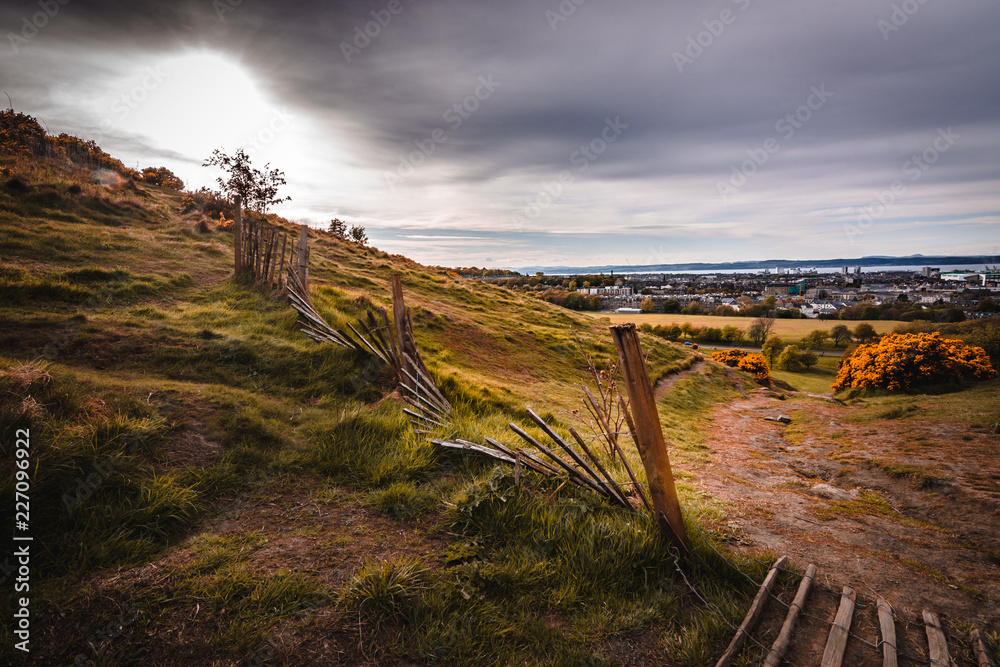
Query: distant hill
{"points": [[973, 261]]}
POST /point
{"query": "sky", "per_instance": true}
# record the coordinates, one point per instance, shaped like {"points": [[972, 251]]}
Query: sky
{"points": [[553, 133]]}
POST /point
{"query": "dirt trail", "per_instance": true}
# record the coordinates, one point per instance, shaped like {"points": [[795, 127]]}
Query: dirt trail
{"points": [[664, 385], [818, 491]]}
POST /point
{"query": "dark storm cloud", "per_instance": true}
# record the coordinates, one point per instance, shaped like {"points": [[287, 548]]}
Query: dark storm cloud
{"points": [[700, 86]]}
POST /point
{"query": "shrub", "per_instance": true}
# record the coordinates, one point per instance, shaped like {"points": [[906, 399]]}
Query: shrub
{"points": [[756, 365], [731, 357], [790, 359], [902, 361], [163, 177]]}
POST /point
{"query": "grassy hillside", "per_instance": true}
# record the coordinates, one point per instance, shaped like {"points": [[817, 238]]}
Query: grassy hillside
{"points": [[229, 491]]}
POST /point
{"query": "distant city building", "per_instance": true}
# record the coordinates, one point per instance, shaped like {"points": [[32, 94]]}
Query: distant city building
{"points": [[628, 311], [930, 271]]}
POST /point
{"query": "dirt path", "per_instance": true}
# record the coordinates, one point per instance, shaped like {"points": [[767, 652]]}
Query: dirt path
{"points": [[820, 491], [664, 385]]}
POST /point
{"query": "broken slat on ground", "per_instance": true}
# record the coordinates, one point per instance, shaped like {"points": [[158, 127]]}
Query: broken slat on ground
{"points": [[833, 656], [753, 614], [780, 645], [936, 642], [888, 627], [983, 656]]}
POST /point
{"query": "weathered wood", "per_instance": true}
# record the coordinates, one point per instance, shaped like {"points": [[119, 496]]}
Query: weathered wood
{"points": [[281, 264], [602, 419], [573, 474], [888, 627], [472, 447], [628, 468], [420, 416], [238, 234], [652, 448], [619, 494], [777, 652], [753, 614], [836, 644], [606, 490], [983, 656], [399, 317], [303, 256], [544, 467], [936, 643]]}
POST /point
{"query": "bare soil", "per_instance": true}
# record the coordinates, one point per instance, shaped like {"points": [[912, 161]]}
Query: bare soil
{"points": [[819, 490]]}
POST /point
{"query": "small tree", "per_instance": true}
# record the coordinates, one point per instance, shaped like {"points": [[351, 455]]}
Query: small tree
{"points": [[790, 359], [771, 348], [865, 333], [358, 234], [163, 177], [841, 335], [808, 358], [647, 305], [259, 189], [816, 339], [338, 228]]}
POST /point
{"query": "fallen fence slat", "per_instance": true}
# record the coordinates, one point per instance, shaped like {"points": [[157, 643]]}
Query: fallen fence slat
{"points": [[936, 643], [833, 656], [777, 652], [753, 614], [574, 475], [888, 626], [621, 454], [619, 494], [983, 656]]}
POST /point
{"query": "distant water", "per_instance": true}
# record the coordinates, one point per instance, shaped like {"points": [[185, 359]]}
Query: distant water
{"points": [[915, 268]]}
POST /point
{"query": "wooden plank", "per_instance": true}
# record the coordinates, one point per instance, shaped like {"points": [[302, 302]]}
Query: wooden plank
{"points": [[420, 416], [544, 467], [983, 656], [399, 318], [936, 643], [888, 626], [610, 480], [753, 614], [303, 256], [621, 454], [573, 474], [780, 646], [238, 234], [836, 644], [606, 490], [651, 445]]}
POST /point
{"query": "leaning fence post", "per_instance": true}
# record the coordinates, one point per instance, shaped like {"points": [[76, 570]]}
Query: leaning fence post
{"points": [[238, 235], [649, 435], [304, 256]]}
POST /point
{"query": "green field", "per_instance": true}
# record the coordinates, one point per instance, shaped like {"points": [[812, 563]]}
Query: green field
{"points": [[788, 330]]}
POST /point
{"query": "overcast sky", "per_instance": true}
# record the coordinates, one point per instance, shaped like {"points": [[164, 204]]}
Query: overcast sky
{"points": [[581, 132]]}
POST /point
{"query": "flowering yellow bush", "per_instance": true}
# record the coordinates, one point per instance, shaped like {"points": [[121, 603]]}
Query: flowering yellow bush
{"points": [[729, 357], [756, 365], [902, 361], [753, 363]]}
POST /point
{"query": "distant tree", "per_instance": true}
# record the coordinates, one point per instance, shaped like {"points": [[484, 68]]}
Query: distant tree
{"points": [[761, 329], [572, 286], [865, 333], [790, 359], [724, 310], [770, 302], [586, 284], [259, 189], [841, 335], [771, 348], [645, 291], [808, 358], [338, 228], [732, 334], [671, 306], [693, 308], [816, 339], [358, 235], [647, 305]]}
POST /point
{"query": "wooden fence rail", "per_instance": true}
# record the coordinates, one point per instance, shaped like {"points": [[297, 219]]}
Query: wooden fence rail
{"points": [[256, 249]]}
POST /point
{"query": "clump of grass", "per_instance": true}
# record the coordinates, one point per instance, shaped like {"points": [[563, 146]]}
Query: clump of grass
{"points": [[386, 589], [404, 501], [897, 412]]}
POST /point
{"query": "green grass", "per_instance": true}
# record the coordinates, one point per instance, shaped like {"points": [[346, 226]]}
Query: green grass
{"points": [[816, 380], [115, 369]]}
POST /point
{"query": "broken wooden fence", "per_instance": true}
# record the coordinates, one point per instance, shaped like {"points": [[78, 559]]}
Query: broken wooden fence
{"points": [[256, 249], [840, 628]]}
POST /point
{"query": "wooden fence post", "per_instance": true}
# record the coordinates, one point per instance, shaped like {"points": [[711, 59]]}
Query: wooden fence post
{"points": [[303, 262], [649, 435], [238, 235], [399, 318]]}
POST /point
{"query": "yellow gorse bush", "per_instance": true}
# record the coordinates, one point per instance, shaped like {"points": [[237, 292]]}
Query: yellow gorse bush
{"points": [[901, 361], [753, 363]]}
